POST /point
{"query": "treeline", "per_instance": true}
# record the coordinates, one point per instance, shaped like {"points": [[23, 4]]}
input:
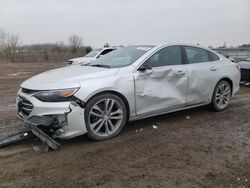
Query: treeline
{"points": [[224, 46], [11, 49], [245, 46]]}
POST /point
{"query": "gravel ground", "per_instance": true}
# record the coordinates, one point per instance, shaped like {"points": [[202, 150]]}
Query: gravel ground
{"points": [[191, 148]]}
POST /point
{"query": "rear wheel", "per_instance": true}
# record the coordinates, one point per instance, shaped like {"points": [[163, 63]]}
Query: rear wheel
{"points": [[105, 116], [221, 96]]}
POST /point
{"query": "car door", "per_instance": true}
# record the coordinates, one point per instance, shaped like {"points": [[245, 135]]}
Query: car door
{"points": [[163, 86], [203, 73]]}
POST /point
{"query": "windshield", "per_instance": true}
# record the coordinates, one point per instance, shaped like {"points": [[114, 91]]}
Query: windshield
{"points": [[93, 53], [122, 57]]}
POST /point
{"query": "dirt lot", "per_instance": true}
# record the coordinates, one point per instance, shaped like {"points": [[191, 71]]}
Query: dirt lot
{"points": [[192, 148]]}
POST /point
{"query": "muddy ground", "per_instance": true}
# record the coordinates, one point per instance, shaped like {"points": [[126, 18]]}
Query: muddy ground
{"points": [[192, 148]]}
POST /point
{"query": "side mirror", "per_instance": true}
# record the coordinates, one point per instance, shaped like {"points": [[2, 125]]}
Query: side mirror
{"points": [[144, 67]]}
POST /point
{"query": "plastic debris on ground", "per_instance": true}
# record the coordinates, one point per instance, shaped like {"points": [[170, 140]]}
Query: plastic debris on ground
{"points": [[155, 127], [140, 130]]}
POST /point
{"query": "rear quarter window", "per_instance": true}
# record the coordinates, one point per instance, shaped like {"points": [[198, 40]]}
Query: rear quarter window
{"points": [[212, 56]]}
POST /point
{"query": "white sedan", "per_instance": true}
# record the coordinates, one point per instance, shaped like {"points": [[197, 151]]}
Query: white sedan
{"points": [[128, 84], [91, 56]]}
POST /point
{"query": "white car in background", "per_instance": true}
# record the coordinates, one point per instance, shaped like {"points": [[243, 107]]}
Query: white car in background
{"points": [[91, 56]]}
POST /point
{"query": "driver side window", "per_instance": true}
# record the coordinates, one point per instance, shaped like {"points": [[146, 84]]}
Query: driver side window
{"points": [[167, 56]]}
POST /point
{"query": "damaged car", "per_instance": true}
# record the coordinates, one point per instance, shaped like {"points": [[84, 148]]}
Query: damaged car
{"points": [[128, 84], [245, 69]]}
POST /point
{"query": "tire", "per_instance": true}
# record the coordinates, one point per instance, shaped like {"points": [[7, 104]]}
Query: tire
{"points": [[105, 116], [221, 96]]}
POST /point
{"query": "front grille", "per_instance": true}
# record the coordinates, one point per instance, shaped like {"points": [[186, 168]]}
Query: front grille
{"points": [[24, 106], [41, 120], [245, 74]]}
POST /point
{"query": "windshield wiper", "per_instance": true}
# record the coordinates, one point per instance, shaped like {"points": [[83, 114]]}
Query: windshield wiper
{"points": [[100, 65]]}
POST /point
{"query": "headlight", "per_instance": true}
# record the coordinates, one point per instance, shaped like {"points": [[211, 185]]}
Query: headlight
{"points": [[56, 95]]}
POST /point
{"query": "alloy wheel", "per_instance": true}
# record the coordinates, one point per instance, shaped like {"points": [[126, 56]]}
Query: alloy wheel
{"points": [[105, 117], [222, 95]]}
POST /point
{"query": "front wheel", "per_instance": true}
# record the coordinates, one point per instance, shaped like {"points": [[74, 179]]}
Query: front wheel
{"points": [[105, 116], [221, 96]]}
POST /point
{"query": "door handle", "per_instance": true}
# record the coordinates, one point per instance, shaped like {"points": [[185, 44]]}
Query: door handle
{"points": [[213, 69], [180, 72], [148, 71]]}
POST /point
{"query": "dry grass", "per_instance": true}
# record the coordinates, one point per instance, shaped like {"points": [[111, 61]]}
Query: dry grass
{"points": [[244, 90]]}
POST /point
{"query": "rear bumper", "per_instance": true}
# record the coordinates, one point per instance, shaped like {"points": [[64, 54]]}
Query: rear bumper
{"points": [[62, 120]]}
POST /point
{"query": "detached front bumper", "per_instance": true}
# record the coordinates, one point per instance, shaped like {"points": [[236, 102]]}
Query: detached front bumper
{"points": [[62, 120]]}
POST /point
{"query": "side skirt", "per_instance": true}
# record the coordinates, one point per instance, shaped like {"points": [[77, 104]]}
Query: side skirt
{"points": [[167, 112]]}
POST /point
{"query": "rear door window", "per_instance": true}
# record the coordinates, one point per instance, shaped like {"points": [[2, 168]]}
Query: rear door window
{"points": [[196, 55]]}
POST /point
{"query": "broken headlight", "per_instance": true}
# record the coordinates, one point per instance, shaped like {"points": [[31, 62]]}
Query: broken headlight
{"points": [[56, 95]]}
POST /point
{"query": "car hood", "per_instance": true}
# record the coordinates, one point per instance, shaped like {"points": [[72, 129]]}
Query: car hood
{"points": [[244, 64], [66, 77], [83, 59]]}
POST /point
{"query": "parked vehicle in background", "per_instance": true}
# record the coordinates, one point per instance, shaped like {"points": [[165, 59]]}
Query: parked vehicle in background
{"points": [[227, 56], [245, 69], [91, 56], [128, 84]]}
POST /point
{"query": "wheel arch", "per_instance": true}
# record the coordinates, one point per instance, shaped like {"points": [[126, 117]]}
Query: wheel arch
{"points": [[212, 103], [228, 80], [121, 96]]}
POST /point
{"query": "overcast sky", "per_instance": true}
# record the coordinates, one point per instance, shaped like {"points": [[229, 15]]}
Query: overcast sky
{"points": [[208, 22]]}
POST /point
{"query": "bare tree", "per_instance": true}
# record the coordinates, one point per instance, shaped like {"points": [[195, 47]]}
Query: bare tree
{"points": [[9, 44], [60, 47], [2, 39], [75, 43]]}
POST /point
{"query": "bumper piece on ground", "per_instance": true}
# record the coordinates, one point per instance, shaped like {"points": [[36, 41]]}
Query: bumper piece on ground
{"points": [[18, 137], [46, 139]]}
